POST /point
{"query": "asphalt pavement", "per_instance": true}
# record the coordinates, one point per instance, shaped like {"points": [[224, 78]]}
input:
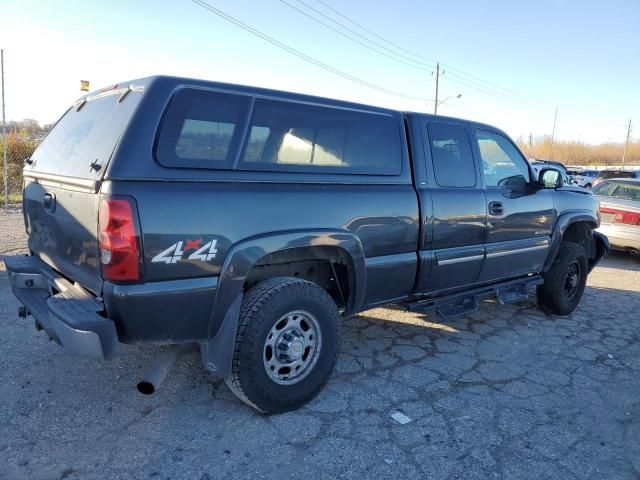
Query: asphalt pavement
{"points": [[506, 392]]}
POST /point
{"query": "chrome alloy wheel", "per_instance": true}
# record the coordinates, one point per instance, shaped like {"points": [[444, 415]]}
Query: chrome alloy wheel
{"points": [[292, 347]]}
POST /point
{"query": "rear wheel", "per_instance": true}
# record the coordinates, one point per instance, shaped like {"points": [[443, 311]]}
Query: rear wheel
{"points": [[565, 281], [286, 346]]}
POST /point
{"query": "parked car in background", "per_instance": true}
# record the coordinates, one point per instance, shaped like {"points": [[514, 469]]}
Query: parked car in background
{"points": [[611, 173], [584, 178], [549, 163], [620, 212]]}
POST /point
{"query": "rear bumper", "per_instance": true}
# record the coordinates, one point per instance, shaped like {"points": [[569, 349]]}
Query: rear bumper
{"points": [[68, 313], [175, 311], [171, 311], [622, 237]]}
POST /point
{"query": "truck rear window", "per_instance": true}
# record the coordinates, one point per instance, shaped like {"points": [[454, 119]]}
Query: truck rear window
{"points": [[204, 129], [88, 132]]}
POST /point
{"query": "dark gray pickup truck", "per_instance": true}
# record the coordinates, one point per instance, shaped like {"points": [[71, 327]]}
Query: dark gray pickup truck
{"points": [[249, 222]]}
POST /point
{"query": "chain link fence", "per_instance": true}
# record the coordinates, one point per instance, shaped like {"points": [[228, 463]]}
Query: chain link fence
{"points": [[19, 148]]}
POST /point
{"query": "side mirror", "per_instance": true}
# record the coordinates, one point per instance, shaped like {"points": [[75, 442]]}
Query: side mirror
{"points": [[550, 178]]}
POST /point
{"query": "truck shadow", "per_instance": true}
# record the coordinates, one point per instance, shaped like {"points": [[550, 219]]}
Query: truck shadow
{"points": [[620, 261], [381, 330]]}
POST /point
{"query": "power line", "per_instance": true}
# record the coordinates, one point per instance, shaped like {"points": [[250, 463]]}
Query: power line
{"points": [[342, 25], [299, 54], [423, 66], [469, 83], [470, 78], [380, 52], [371, 32], [495, 86], [465, 83], [396, 57]]}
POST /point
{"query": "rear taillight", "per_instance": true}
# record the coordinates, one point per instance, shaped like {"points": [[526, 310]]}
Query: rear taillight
{"points": [[623, 216], [118, 238]]}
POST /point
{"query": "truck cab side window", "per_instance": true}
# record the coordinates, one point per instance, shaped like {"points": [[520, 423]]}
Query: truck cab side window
{"points": [[502, 164], [296, 137], [451, 156]]}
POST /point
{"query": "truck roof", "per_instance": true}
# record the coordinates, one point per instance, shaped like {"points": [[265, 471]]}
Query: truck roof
{"points": [[169, 80], [267, 92]]}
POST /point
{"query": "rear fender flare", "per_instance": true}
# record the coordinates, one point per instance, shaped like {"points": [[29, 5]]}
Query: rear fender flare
{"points": [[217, 350]]}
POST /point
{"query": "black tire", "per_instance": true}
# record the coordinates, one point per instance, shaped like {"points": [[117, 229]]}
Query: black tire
{"points": [[263, 309], [588, 185], [565, 281]]}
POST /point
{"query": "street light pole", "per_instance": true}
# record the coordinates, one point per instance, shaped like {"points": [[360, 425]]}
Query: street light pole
{"points": [[4, 136], [450, 96], [435, 105], [553, 132], [626, 143]]}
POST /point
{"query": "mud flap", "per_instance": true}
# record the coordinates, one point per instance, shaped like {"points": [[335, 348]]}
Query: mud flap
{"points": [[601, 249], [217, 352]]}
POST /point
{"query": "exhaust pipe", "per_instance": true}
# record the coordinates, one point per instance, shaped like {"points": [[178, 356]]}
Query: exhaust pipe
{"points": [[633, 251], [158, 372]]}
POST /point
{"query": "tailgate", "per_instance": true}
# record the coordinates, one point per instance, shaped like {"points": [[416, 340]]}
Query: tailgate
{"points": [[62, 224], [62, 181]]}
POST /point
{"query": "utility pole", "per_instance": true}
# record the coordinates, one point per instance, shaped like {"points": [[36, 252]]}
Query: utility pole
{"points": [[530, 140], [4, 137], [626, 143], [435, 105], [553, 132]]}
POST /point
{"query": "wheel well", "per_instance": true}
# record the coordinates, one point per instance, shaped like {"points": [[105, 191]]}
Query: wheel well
{"points": [[580, 233], [329, 267]]}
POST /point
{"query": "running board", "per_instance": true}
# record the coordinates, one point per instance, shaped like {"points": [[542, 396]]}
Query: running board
{"points": [[509, 295], [463, 303], [460, 309]]}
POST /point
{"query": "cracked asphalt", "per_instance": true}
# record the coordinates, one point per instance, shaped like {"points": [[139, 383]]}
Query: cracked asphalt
{"points": [[505, 392]]}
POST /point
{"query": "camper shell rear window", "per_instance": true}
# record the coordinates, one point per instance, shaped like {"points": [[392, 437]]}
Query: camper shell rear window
{"points": [[87, 133]]}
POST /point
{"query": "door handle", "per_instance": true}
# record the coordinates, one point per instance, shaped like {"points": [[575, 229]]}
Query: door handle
{"points": [[496, 208], [49, 202]]}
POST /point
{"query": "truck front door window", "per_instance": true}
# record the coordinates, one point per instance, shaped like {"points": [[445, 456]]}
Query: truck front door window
{"points": [[502, 164]]}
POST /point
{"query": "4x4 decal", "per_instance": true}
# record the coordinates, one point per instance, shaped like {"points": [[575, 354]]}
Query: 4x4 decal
{"points": [[176, 252]]}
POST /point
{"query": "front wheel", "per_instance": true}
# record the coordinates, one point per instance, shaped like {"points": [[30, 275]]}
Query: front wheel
{"points": [[286, 345], [565, 281]]}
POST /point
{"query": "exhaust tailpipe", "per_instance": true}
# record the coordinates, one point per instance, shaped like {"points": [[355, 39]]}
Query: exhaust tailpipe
{"points": [[158, 372]]}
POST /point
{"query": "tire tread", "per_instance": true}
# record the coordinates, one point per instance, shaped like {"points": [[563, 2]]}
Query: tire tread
{"points": [[550, 294], [256, 300]]}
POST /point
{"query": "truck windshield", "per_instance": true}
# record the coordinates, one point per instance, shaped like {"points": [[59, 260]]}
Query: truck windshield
{"points": [[87, 133]]}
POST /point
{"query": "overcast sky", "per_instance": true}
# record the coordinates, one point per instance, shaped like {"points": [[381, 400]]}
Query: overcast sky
{"points": [[512, 61]]}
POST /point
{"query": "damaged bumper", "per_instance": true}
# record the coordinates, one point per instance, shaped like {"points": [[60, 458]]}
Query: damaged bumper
{"points": [[69, 314]]}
